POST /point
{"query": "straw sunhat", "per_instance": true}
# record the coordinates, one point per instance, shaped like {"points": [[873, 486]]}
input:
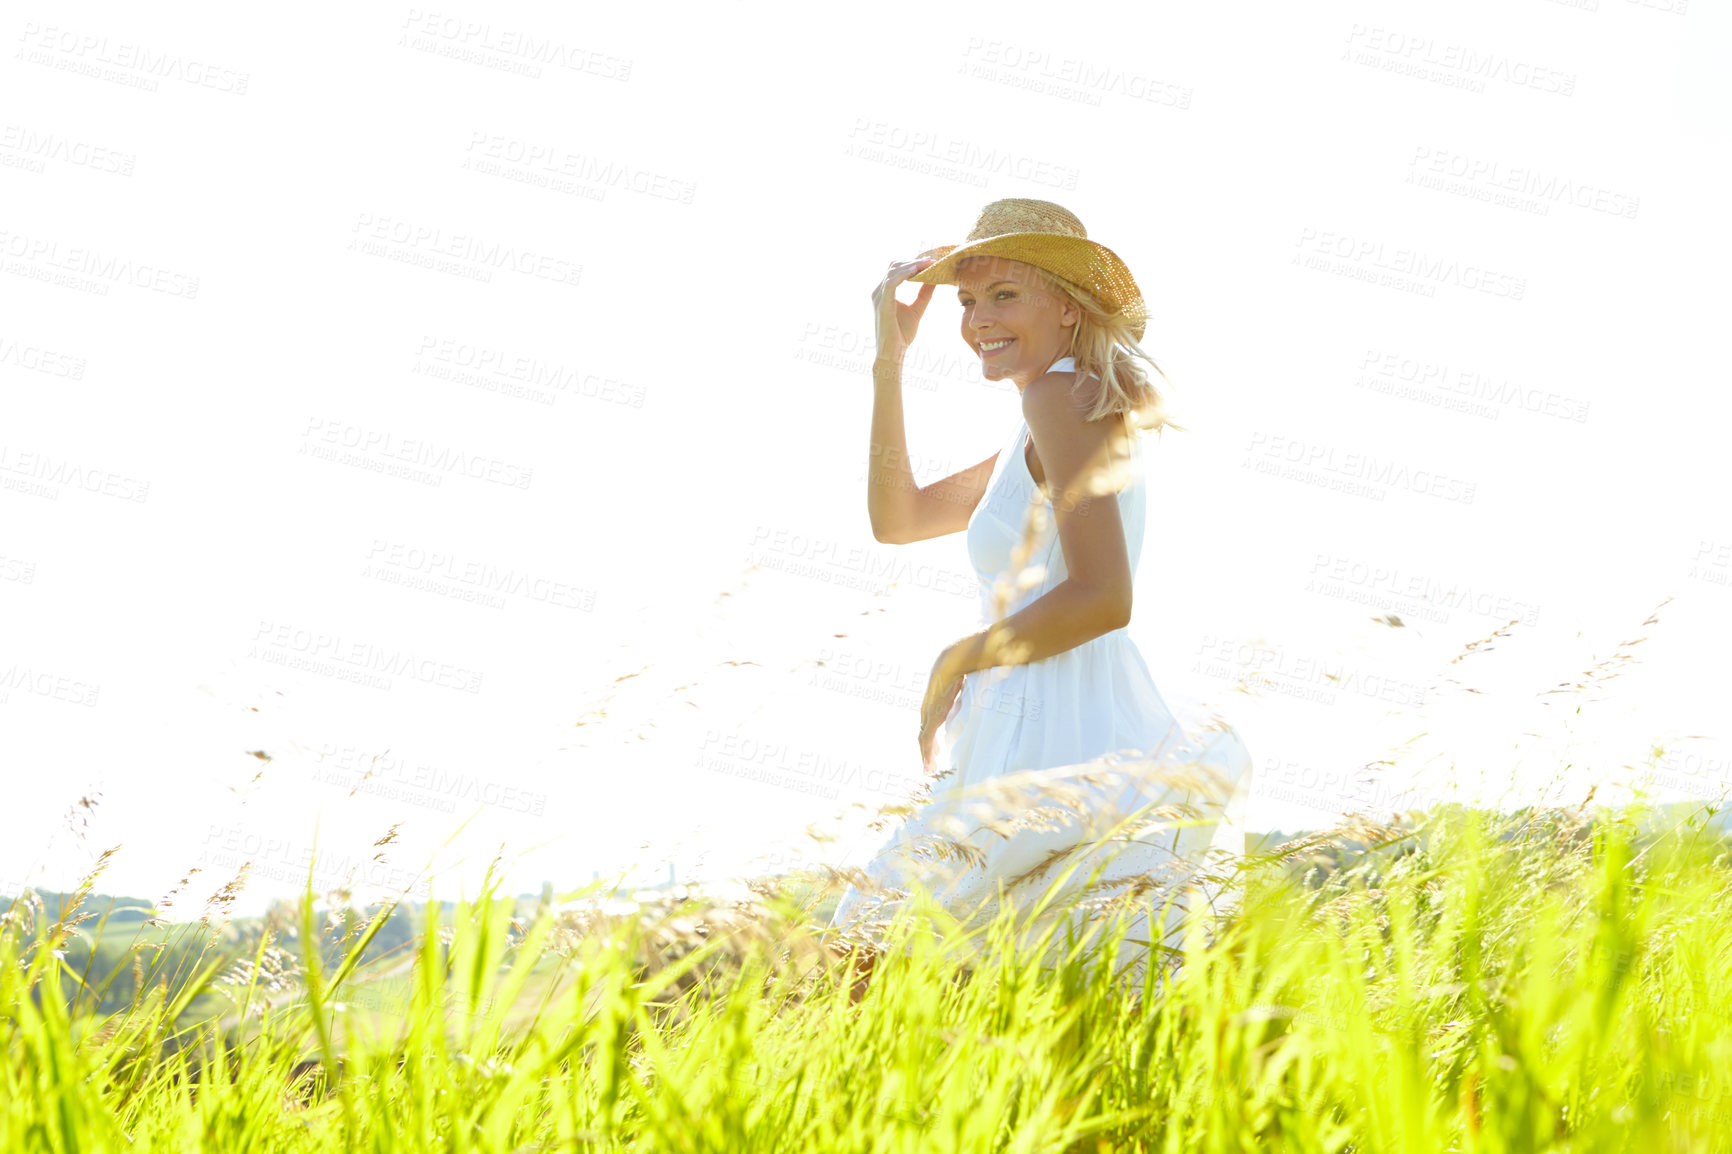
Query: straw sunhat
{"points": [[1049, 236]]}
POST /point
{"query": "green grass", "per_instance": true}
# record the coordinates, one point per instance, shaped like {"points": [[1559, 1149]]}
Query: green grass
{"points": [[1553, 980]]}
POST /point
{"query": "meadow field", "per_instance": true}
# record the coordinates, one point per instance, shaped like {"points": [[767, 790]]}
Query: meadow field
{"points": [[1453, 980]]}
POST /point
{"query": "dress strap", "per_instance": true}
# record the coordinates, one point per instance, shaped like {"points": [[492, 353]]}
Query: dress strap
{"points": [[1062, 365]]}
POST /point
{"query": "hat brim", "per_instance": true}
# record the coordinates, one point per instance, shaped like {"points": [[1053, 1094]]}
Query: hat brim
{"points": [[1087, 263]]}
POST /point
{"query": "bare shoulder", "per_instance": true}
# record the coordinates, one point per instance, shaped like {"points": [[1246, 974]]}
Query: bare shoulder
{"points": [[1051, 399], [1058, 422], [1052, 402]]}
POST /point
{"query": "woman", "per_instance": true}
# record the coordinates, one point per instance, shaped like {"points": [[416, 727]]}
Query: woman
{"points": [[1043, 731]]}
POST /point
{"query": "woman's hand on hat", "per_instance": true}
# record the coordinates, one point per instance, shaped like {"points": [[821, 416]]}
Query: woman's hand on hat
{"points": [[898, 322]]}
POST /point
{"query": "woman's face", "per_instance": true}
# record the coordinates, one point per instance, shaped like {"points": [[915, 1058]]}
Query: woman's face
{"points": [[1013, 322]]}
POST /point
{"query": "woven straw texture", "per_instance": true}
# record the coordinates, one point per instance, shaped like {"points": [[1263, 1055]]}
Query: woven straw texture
{"points": [[1049, 236]]}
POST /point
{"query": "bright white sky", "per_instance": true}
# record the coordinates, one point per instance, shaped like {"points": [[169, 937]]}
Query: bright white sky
{"points": [[1308, 196]]}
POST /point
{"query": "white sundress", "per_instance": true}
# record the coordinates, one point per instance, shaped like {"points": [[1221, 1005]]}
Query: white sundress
{"points": [[1088, 733]]}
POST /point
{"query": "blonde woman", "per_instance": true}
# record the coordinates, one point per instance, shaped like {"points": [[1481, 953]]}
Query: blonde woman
{"points": [[1049, 703]]}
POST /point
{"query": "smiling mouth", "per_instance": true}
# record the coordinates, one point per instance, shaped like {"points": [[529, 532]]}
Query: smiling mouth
{"points": [[988, 348]]}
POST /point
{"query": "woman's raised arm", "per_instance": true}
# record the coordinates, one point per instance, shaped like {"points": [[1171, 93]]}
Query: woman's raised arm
{"points": [[900, 510]]}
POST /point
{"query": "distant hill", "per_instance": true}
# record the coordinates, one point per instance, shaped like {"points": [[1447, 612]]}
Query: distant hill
{"points": [[118, 907]]}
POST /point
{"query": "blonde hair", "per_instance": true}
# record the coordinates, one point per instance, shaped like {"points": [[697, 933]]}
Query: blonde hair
{"points": [[1106, 348]]}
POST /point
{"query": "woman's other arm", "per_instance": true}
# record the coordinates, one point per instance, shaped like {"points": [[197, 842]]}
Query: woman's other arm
{"points": [[1095, 596]]}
